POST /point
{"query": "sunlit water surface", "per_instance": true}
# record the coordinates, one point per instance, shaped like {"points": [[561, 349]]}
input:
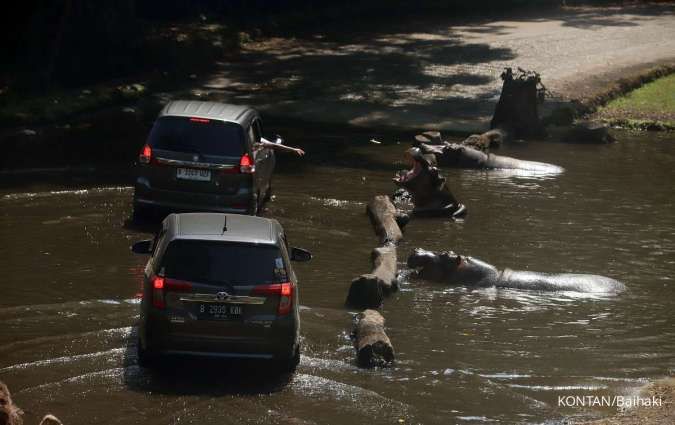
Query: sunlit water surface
{"points": [[68, 306]]}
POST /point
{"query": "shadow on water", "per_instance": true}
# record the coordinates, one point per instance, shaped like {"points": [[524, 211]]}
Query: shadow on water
{"points": [[200, 376]]}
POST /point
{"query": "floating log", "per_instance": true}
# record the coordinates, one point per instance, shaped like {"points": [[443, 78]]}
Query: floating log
{"points": [[372, 344], [516, 109], [369, 289], [50, 420], [384, 215], [365, 292], [10, 413]]}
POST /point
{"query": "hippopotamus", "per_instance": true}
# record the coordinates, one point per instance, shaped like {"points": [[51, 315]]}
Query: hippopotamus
{"points": [[463, 156], [429, 192], [484, 142], [456, 269]]}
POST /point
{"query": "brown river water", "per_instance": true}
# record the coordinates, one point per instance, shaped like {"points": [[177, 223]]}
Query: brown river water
{"points": [[68, 306]]}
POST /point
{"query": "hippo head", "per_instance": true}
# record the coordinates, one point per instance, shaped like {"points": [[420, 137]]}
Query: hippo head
{"points": [[446, 266], [453, 154], [422, 180], [432, 265]]}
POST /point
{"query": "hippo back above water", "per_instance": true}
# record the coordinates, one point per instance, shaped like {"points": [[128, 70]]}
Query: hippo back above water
{"points": [[462, 156], [452, 268]]}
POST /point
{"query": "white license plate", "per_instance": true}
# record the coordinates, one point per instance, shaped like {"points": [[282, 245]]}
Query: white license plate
{"points": [[193, 174], [219, 311]]}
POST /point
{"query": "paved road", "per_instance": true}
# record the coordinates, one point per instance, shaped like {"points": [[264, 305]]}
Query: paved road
{"points": [[443, 74]]}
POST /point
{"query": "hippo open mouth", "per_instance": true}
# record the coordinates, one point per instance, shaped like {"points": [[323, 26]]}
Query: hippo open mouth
{"points": [[427, 187], [410, 174]]}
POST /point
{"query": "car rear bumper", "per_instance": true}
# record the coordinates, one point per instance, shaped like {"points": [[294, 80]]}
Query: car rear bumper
{"points": [[250, 348], [145, 195], [278, 341]]}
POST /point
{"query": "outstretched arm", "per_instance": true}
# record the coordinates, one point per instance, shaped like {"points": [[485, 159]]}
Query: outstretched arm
{"points": [[278, 146]]}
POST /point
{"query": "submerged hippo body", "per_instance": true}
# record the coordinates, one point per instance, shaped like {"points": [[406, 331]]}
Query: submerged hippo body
{"points": [[428, 190], [461, 270], [461, 156]]}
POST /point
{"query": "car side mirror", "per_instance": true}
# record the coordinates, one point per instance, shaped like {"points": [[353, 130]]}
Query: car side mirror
{"points": [[142, 247], [299, 254]]}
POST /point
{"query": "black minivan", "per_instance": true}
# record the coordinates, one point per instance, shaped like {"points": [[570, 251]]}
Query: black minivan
{"points": [[204, 156], [220, 285]]}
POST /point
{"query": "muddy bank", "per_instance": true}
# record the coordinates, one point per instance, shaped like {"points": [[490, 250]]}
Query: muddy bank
{"points": [[647, 107], [663, 414]]}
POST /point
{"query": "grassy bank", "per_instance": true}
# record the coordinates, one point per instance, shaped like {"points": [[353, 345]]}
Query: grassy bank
{"points": [[652, 105]]}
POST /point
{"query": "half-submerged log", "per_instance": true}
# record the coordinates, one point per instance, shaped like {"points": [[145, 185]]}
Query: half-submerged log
{"points": [[373, 347], [517, 109], [369, 289], [9, 412], [385, 219], [50, 420]]}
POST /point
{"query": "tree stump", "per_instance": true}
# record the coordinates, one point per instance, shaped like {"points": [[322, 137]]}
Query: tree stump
{"points": [[369, 289], [517, 109], [384, 215], [372, 344]]}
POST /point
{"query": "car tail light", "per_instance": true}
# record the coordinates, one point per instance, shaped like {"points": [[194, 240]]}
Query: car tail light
{"points": [[146, 155], [246, 165], [285, 292], [161, 285]]}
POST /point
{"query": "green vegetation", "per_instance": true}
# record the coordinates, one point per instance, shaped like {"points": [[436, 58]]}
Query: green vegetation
{"points": [[652, 103]]}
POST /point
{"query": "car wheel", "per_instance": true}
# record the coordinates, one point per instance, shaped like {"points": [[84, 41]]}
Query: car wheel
{"points": [[253, 210], [289, 364], [268, 192], [146, 357], [140, 213]]}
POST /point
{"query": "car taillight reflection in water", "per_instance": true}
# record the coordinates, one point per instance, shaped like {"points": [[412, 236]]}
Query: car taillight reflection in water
{"points": [[285, 292]]}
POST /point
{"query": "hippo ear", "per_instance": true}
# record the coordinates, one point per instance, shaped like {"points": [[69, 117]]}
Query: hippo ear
{"points": [[445, 256]]}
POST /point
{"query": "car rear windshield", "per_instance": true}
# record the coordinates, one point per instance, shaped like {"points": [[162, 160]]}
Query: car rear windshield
{"points": [[196, 135], [223, 263]]}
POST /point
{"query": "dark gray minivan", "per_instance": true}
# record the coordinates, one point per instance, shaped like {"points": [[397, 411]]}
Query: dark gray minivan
{"points": [[204, 156], [220, 285]]}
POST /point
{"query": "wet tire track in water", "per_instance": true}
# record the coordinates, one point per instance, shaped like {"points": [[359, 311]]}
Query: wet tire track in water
{"points": [[68, 308]]}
